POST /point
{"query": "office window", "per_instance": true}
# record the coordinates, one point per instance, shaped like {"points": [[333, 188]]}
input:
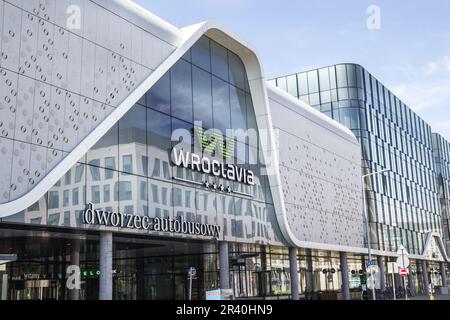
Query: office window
{"points": [[65, 198], [53, 199], [67, 178], [95, 194], [123, 190], [79, 169], [110, 165], [127, 163], [94, 169], [75, 195], [106, 193]]}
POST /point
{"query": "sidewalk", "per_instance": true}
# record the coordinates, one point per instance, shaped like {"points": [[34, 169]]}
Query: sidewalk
{"points": [[438, 297]]}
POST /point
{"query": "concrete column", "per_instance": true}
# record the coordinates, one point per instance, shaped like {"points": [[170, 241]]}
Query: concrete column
{"points": [[74, 294], [293, 269], [444, 288], [310, 286], [411, 283], [224, 266], [4, 286], [106, 260], [344, 275], [380, 263], [426, 281]]}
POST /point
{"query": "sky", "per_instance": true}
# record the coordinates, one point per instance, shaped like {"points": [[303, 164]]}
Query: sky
{"points": [[404, 43]]}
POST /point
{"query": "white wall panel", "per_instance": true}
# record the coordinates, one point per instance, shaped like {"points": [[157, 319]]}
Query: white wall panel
{"points": [[20, 169], [100, 75], [8, 108], [90, 20], [6, 154], [87, 69], [74, 63], [24, 112], [42, 101], [44, 52], [11, 37], [60, 57]]}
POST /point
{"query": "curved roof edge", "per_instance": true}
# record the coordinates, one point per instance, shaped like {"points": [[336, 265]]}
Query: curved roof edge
{"points": [[143, 18], [258, 88], [309, 112]]}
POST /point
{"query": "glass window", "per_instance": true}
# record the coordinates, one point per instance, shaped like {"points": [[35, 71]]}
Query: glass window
{"points": [[79, 169], [106, 193], [75, 195], [324, 79], [341, 76], [143, 190], [237, 71], [202, 94], [181, 90], [184, 133], [127, 163], [351, 75], [313, 81], [132, 138], [109, 165], [282, 83], [200, 54], [67, 177], [238, 109], [292, 85], [123, 190], [65, 198], [95, 192], [158, 97], [219, 61], [94, 169], [107, 145], [221, 105]]}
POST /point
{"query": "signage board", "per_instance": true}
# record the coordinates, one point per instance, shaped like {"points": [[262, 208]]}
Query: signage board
{"points": [[392, 267], [404, 272], [402, 260], [91, 216]]}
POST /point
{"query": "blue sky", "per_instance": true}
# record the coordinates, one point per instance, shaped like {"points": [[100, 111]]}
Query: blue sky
{"points": [[410, 53]]}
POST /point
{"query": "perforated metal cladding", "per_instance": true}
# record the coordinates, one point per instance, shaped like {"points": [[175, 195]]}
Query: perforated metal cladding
{"points": [[320, 175], [57, 85]]}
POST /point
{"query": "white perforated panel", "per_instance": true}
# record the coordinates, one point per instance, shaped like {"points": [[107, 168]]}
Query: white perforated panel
{"points": [[320, 175], [58, 83]]}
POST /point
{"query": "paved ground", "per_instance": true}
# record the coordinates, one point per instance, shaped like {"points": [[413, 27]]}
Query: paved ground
{"points": [[438, 297]]}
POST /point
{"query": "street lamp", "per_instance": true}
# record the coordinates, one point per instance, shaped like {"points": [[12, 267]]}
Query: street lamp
{"points": [[366, 217]]}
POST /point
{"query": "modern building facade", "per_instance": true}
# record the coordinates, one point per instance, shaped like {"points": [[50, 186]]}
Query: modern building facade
{"points": [[405, 204], [441, 150], [133, 151]]}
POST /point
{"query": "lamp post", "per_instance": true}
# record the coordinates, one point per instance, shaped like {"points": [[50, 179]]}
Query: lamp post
{"points": [[366, 217]]}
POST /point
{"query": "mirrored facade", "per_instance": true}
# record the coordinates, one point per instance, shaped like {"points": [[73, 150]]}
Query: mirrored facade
{"points": [[441, 151], [403, 204]]}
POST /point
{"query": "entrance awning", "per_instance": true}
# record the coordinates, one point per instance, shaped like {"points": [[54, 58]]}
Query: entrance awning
{"points": [[5, 258]]}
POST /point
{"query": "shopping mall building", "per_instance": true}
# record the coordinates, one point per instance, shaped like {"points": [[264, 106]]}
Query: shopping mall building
{"points": [[133, 151]]}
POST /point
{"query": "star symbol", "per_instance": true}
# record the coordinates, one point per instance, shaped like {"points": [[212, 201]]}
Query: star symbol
{"points": [[214, 186], [207, 184], [222, 188], [229, 189]]}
